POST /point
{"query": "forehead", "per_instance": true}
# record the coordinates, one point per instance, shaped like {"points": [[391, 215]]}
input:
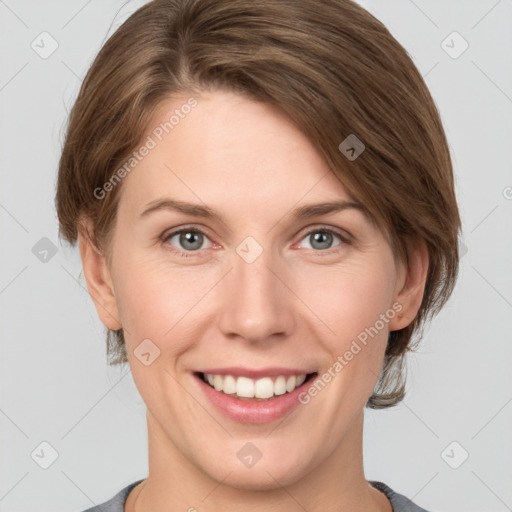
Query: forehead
{"points": [[227, 150]]}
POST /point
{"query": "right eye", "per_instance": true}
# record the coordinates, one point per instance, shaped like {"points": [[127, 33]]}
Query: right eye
{"points": [[188, 241]]}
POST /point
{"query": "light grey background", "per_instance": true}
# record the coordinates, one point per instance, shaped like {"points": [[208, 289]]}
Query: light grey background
{"points": [[55, 383]]}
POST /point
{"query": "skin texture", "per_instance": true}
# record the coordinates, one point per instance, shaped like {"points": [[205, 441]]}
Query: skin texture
{"points": [[296, 306]]}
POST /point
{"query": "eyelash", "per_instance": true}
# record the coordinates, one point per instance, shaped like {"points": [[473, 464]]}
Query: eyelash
{"points": [[318, 229]]}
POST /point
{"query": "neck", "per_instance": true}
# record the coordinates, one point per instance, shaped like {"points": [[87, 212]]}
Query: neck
{"points": [[175, 483]]}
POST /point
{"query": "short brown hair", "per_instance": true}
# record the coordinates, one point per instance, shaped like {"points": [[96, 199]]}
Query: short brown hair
{"points": [[336, 71]]}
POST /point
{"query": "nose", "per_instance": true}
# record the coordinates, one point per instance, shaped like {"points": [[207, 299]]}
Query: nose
{"points": [[256, 304]]}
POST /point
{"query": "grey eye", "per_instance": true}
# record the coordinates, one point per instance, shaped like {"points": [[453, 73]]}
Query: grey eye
{"points": [[321, 239], [188, 239]]}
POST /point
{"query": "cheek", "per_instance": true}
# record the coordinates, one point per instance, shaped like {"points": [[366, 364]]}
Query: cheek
{"points": [[355, 303], [157, 301], [349, 298]]}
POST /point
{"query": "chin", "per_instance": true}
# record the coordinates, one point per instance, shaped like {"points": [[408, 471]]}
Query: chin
{"points": [[264, 475], [261, 480]]}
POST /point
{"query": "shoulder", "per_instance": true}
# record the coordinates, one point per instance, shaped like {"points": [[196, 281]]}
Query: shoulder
{"points": [[400, 502], [116, 503]]}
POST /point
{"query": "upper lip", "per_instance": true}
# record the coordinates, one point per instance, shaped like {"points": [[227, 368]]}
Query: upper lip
{"points": [[253, 373]]}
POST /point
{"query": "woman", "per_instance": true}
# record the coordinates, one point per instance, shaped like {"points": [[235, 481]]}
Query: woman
{"points": [[263, 198]]}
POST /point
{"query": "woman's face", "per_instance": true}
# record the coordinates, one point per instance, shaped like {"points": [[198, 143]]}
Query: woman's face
{"points": [[253, 290]]}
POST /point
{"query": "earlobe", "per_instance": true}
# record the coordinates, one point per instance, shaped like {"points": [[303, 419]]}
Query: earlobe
{"points": [[411, 287], [98, 279]]}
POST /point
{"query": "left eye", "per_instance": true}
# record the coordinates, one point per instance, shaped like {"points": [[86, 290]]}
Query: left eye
{"points": [[322, 238]]}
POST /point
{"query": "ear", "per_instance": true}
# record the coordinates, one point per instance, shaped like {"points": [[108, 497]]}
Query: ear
{"points": [[410, 285], [97, 277]]}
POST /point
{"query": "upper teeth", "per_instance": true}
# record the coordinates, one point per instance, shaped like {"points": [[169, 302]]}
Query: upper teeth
{"points": [[249, 388]]}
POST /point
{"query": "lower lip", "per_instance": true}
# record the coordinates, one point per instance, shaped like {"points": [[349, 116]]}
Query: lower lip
{"points": [[258, 412]]}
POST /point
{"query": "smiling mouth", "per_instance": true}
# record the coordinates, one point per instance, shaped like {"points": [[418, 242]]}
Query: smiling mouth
{"points": [[265, 388]]}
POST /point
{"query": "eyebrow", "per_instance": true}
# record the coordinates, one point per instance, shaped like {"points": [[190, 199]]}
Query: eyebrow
{"points": [[300, 213]]}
